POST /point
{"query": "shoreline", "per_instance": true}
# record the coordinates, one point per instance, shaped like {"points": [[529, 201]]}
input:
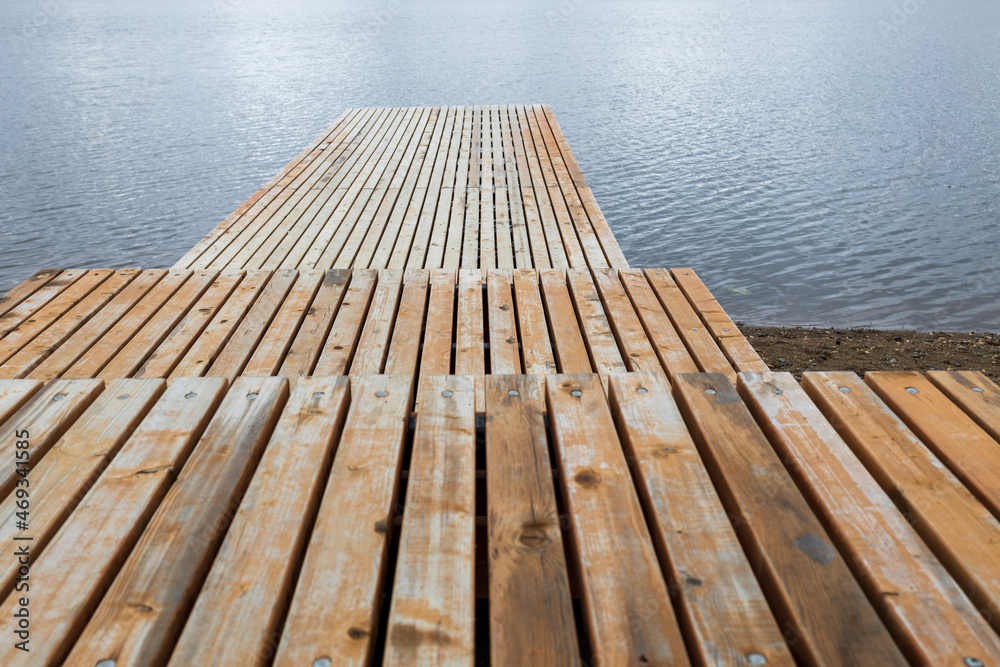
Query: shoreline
{"points": [[799, 349]]}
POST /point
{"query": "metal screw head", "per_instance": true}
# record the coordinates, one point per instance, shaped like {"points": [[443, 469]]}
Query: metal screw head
{"points": [[251, 396], [973, 662], [694, 328], [566, 330], [58, 397], [777, 391], [190, 395], [446, 393], [846, 390], [978, 390], [376, 331], [513, 392], [728, 330], [322, 662], [641, 390], [123, 397], [381, 393], [711, 392], [503, 331], [105, 663], [319, 394], [756, 659], [576, 392], [912, 390]]}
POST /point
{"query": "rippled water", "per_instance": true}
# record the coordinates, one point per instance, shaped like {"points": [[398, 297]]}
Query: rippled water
{"points": [[827, 163]]}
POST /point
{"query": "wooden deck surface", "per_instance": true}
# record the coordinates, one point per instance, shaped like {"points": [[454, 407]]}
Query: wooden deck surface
{"points": [[199, 521], [478, 187]]}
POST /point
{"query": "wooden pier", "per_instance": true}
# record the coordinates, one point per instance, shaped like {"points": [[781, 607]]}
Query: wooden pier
{"points": [[410, 405]]}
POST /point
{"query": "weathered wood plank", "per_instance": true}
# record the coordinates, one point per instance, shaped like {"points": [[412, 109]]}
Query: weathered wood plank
{"points": [[87, 552], [238, 615], [567, 336], [373, 345], [14, 394], [670, 349], [470, 353], [636, 349], [627, 606], [25, 289], [139, 618], [431, 620], [531, 610], [723, 609], [925, 610], [339, 347], [435, 357], [532, 325], [597, 333], [975, 394], [812, 592], [407, 332], [335, 606], [505, 357], [42, 297], [277, 340], [305, 349]]}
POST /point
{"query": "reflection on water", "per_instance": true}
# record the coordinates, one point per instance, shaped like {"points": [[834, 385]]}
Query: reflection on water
{"points": [[818, 162]]}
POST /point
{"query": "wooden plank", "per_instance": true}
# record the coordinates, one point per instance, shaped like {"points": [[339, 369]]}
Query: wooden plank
{"points": [[373, 345], [213, 338], [335, 607], [553, 238], [87, 552], [46, 416], [169, 349], [139, 618], [101, 323], [742, 355], [925, 610], [111, 343], [531, 610], [407, 332], [944, 427], [238, 615], [470, 244], [975, 394], [431, 620], [339, 348], [442, 194], [688, 325], [20, 312], [435, 358], [413, 255], [41, 323], [25, 289], [612, 250], [626, 605], [487, 195], [670, 349], [505, 357], [567, 336], [597, 333], [636, 349], [243, 341], [815, 598], [60, 479], [958, 528], [273, 346], [532, 217], [532, 326], [520, 243], [456, 219], [470, 353], [14, 394], [722, 607], [308, 343]]}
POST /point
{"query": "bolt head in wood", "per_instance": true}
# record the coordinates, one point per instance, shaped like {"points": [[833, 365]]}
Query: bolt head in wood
{"points": [[912, 390], [381, 393], [978, 390], [576, 392]]}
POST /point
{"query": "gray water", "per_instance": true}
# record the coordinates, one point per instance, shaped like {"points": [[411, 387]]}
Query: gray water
{"points": [[825, 163]]}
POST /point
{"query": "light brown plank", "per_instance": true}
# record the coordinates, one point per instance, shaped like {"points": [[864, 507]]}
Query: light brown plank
{"points": [[339, 347], [452, 258], [14, 394], [944, 427], [273, 346], [723, 610], [597, 333], [626, 605], [25, 289], [532, 215], [928, 614], [470, 241], [88, 550], [470, 355], [636, 349], [373, 345], [819, 605], [567, 336], [335, 607], [532, 326], [975, 394], [431, 620], [42, 297], [139, 618], [531, 610], [407, 331], [435, 357], [237, 617], [505, 357], [673, 355], [433, 207], [308, 343]]}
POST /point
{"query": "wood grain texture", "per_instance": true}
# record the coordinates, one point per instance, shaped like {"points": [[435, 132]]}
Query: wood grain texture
{"points": [[532, 324], [626, 603], [531, 611], [307, 345], [88, 551], [636, 349], [44, 305], [819, 605], [568, 343], [139, 618], [14, 394], [25, 289], [431, 619], [959, 529], [926, 611], [338, 349], [944, 427], [470, 352], [336, 602], [238, 615], [597, 332], [973, 392], [274, 345], [505, 354], [723, 611], [673, 355]]}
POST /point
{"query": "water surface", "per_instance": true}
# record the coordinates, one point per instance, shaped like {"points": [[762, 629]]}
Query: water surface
{"points": [[827, 163]]}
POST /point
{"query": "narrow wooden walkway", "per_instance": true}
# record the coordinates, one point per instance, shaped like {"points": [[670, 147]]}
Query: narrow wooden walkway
{"points": [[199, 522], [422, 188]]}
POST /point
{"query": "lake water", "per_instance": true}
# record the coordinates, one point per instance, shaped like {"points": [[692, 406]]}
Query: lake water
{"points": [[819, 163]]}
